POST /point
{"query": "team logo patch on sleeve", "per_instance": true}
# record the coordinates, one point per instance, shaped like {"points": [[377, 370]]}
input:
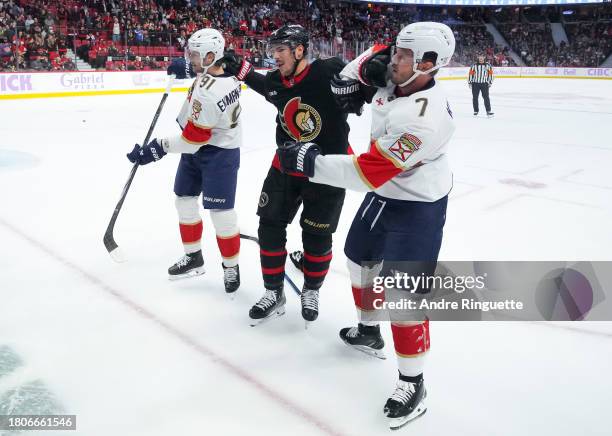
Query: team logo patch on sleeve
{"points": [[405, 146], [196, 109]]}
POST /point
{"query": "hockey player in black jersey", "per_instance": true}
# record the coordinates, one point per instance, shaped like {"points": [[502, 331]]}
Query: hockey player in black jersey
{"points": [[307, 112]]}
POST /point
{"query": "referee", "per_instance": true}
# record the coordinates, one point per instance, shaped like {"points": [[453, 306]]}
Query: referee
{"points": [[480, 79]]}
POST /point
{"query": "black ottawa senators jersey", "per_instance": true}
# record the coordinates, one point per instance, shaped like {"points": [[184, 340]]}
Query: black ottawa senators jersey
{"points": [[306, 108]]}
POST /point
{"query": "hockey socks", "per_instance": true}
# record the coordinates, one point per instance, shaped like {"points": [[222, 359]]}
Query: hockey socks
{"points": [[190, 223], [411, 344], [273, 267], [228, 235]]}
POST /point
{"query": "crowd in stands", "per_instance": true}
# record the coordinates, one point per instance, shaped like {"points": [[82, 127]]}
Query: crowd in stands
{"points": [[588, 44], [473, 40], [29, 39], [147, 34]]}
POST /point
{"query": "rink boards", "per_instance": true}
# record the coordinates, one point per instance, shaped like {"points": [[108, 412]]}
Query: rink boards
{"points": [[87, 83]]}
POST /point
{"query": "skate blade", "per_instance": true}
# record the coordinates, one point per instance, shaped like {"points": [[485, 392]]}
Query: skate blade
{"points": [[379, 354], [277, 313], [397, 423], [192, 273]]}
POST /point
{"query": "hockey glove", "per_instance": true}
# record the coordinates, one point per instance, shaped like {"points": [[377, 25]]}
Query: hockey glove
{"points": [[181, 69], [373, 71], [298, 157], [233, 65], [147, 154], [348, 94]]}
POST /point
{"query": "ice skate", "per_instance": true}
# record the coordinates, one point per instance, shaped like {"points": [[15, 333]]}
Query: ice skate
{"points": [[231, 279], [271, 305], [405, 404], [310, 305], [190, 265], [366, 339]]}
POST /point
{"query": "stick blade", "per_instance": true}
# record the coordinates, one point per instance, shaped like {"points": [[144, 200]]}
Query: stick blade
{"points": [[117, 255], [113, 249]]}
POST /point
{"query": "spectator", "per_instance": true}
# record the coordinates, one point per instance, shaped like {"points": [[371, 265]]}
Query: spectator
{"points": [[116, 30]]}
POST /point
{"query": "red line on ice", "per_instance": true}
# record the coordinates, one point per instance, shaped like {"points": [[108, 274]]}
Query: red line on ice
{"points": [[275, 396]]}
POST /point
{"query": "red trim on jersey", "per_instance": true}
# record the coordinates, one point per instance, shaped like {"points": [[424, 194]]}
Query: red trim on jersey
{"points": [[270, 271], [229, 247], [272, 253], [311, 258], [365, 297], [411, 340], [193, 133], [288, 83], [376, 168], [191, 233]]}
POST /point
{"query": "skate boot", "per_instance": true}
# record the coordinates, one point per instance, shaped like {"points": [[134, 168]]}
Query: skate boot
{"points": [[231, 278], [475, 114], [270, 305], [366, 339], [490, 114], [406, 403], [189, 265], [310, 305], [297, 259]]}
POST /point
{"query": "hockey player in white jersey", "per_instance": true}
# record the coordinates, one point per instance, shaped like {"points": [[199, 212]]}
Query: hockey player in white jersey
{"points": [[209, 143], [407, 173]]}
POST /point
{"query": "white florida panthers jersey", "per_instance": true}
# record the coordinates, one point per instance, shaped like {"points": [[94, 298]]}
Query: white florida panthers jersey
{"points": [[210, 115], [407, 158]]}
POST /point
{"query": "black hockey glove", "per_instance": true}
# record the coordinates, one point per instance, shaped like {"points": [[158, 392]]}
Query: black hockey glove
{"points": [[298, 157], [147, 154], [348, 94], [181, 69], [373, 70], [233, 65]]}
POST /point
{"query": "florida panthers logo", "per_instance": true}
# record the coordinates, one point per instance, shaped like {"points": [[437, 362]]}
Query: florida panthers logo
{"points": [[301, 121], [405, 146]]}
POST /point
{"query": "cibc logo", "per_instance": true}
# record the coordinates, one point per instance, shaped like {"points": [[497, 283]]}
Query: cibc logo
{"points": [[600, 72], [15, 82]]}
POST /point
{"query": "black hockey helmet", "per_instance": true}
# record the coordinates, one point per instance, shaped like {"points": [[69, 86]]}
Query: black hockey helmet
{"points": [[290, 35]]}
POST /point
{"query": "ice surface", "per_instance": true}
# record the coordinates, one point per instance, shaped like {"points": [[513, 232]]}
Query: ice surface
{"points": [[132, 353]]}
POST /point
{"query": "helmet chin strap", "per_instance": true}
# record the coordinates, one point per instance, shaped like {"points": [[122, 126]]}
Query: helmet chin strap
{"points": [[205, 67], [295, 65], [416, 74]]}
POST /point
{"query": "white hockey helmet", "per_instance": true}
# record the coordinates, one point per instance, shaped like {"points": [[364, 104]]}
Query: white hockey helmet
{"points": [[426, 37], [205, 41]]}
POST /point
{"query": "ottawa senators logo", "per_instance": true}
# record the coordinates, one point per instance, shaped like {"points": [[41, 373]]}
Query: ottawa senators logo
{"points": [[301, 121]]}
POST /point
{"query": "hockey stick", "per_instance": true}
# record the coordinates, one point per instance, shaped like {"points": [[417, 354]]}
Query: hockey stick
{"points": [[109, 239], [291, 282]]}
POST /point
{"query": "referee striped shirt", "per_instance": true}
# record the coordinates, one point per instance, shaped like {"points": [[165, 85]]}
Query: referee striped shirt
{"points": [[481, 73]]}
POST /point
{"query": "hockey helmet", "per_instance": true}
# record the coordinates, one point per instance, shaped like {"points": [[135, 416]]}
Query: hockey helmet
{"points": [[290, 35], [205, 41], [429, 41]]}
